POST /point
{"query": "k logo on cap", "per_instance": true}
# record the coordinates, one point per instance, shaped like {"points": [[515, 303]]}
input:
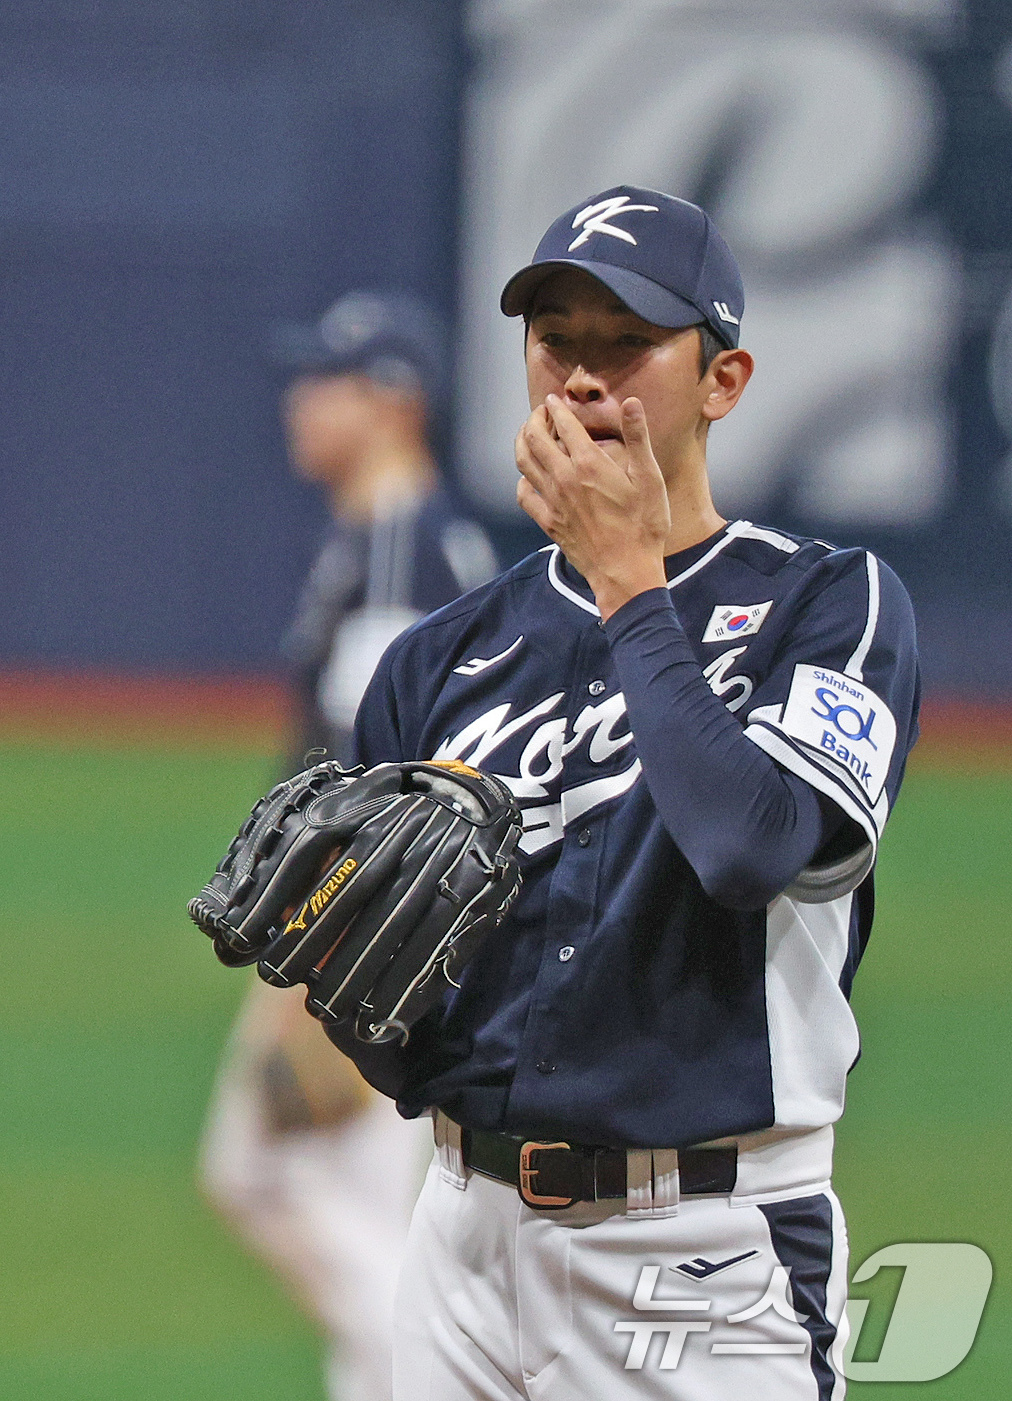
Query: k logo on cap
{"points": [[662, 256], [595, 219]]}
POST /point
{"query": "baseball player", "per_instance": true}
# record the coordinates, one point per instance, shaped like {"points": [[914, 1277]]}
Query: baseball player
{"points": [[368, 381], [315, 1168], [705, 723]]}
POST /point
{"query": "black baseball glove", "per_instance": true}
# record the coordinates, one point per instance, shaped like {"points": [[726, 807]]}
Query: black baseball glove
{"points": [[374, 891]]}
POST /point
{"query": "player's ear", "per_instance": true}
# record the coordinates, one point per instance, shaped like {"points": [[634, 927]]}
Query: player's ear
{"points": [[725, 381]]}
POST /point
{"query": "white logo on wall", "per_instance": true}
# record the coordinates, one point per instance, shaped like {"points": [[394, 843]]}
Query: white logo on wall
{"points": [[595, 219], [813, 138], [1001, 344]]}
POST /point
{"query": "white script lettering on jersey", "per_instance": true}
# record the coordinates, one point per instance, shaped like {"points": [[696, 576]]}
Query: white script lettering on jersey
{"points": [[543, 758], [844, 721], [733, 690], [595, 219]]}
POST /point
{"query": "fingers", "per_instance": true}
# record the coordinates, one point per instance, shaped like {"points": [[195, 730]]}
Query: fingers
{"points": [[538, 454], [543, 438], [550, 445], [634, 425], [637, 440], [572, 434], [585, 452], [535, 505], [543, 462], [635, 430], [532, 474]]}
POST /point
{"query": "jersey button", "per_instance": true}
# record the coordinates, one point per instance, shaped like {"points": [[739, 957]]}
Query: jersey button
{"points": [[545, 1067], [584, 837], [566, 953], [597, 688]]}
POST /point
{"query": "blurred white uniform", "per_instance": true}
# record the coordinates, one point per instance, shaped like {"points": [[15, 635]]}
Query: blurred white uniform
{"points": [[318, 1171], [328, 1207]]}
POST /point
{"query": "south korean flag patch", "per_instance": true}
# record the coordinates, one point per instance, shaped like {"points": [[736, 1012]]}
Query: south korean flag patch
{"points": [[735, 620]]}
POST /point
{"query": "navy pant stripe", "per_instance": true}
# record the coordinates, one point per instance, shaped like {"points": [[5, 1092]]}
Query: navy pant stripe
{"points": [[802, 1235]]}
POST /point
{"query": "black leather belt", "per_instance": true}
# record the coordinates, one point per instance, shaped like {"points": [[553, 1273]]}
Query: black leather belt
{"points": [[551, 1176]]}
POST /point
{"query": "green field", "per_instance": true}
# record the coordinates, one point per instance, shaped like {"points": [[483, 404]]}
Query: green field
{"points": [[117, 1284]]}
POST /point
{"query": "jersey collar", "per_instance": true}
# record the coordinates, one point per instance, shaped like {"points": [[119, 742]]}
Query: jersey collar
{"points": [[558, 567]]}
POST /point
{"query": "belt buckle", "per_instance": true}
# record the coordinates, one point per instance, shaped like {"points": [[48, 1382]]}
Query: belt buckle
{"points": [[527, 1175]]}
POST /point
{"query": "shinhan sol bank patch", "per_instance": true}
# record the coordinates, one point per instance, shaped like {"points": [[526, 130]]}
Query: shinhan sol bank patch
{"points": [[845, 721]]}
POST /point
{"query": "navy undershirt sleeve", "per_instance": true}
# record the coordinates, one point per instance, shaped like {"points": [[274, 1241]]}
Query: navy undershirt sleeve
{"points": [[746, 827]]}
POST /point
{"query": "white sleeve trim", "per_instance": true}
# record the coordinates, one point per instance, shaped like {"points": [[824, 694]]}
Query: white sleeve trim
{"points": [[779, 747], [770, 537], [855, 666], [843, 777], [817, 884]]}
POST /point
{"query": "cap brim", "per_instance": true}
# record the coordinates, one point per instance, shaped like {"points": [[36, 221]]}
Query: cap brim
{"points": [[641, 295]]}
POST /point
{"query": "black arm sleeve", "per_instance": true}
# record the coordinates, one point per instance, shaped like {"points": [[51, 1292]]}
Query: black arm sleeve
{"points": [[745, 826]]}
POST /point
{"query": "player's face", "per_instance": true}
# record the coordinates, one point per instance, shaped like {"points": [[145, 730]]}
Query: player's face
{"points": [[329, 419], [586, 346]]}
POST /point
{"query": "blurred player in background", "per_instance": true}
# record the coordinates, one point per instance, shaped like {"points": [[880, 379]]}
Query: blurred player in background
{"points": [[369, 380], [318, 1171]]}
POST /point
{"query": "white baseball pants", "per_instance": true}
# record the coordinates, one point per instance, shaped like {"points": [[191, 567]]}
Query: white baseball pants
{"points": [[501, 1303]]}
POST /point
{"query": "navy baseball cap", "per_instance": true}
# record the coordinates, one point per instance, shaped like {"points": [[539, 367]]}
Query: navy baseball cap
{"points": [[660, 255], [391, 337]]}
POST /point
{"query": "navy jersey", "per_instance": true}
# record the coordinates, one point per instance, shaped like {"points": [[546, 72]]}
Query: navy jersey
{"points": [[622, 1003], [370, 582]]}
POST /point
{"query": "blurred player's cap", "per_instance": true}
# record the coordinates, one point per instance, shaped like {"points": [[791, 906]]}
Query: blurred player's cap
{"points": [[662, 256], [391, 337]]}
